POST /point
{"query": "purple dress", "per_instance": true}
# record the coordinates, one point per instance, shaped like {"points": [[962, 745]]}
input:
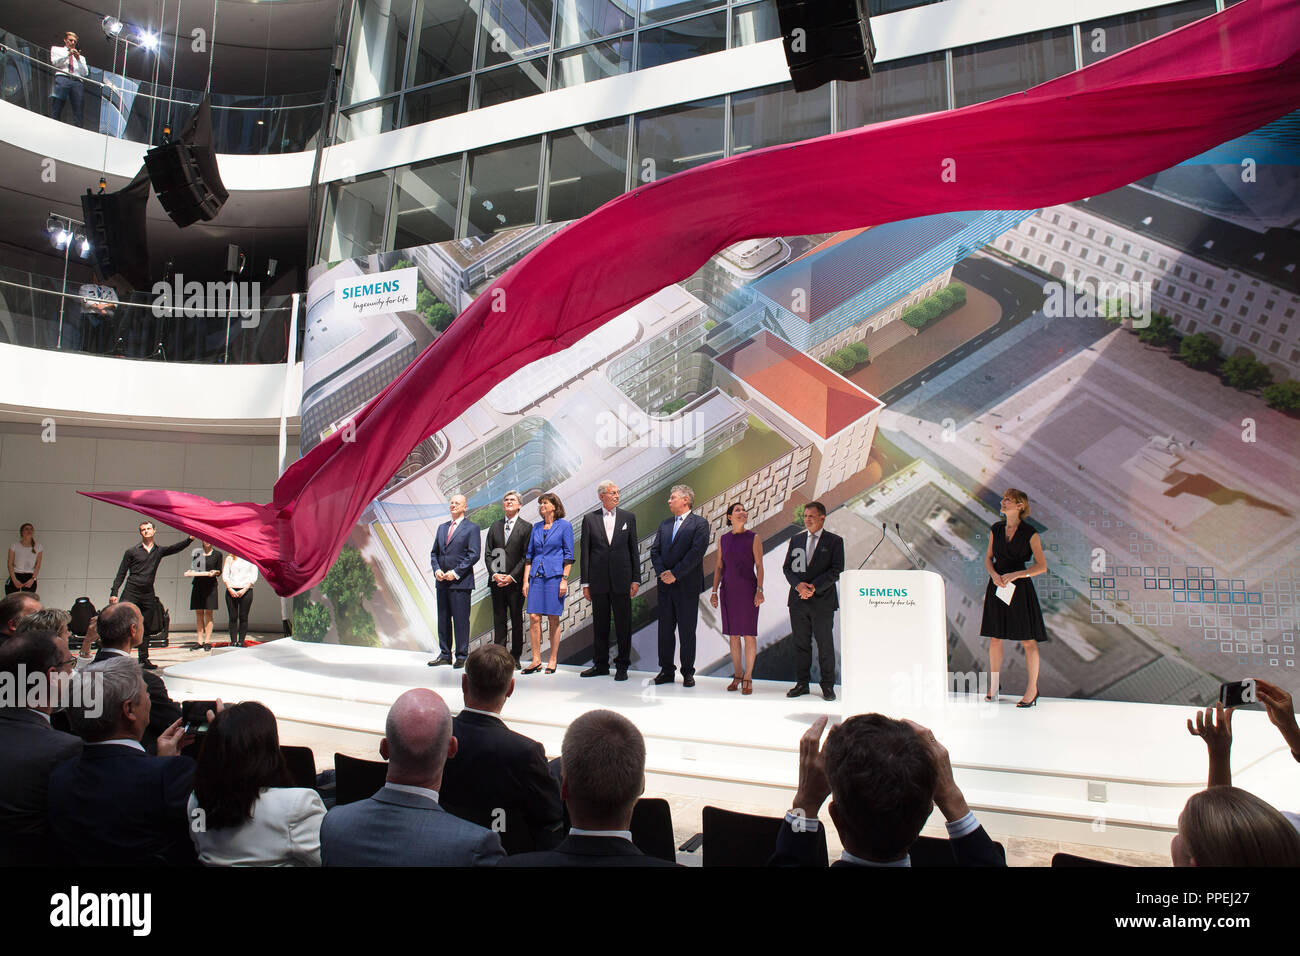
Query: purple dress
{"points": [[739, 584]]}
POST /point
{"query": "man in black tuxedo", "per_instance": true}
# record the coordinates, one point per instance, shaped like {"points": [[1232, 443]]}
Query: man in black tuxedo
{"points": [[813, 563], [611, 575], [499, 779], [678, 559], [115, 805], [29, 747], [602, 777], [506, 546], [884, 778], [121, 629]]}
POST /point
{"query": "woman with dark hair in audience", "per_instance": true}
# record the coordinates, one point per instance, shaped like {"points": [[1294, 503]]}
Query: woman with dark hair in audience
{"points": [[740, 576], [546, 577], [244, 810], [25, 557], [1225, 826]]}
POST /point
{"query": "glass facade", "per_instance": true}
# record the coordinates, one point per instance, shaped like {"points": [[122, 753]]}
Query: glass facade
{"points": [[1100, 38], [985, 71]]}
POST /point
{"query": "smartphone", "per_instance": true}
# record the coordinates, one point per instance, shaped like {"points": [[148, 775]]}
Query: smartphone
{"points": [[1236, 693], [194, 715]]}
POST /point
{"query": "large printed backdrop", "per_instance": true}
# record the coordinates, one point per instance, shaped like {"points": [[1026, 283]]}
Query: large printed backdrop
{"points": [[1111, 357]]}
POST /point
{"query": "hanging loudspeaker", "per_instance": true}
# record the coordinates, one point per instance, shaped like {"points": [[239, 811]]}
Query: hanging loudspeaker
{"points": [[826, 40]]}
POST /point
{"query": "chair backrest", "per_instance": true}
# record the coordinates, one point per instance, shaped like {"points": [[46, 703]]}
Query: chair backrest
{"points": [[508, 823], [302, 765], [1069, 859], [357, 779], [652, 828], [743, 839]]}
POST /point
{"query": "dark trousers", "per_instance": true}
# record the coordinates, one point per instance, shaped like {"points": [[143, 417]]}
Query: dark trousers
{"points": [[508, 609], [811, 620], [621, 606], [453, 614], [237, 611], [67, 88], [22, 579], [147, 602], [679, 609]]}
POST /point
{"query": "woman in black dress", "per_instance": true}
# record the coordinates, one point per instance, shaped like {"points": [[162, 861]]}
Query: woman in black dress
{"points": [[1012, 543], [205, 567]]}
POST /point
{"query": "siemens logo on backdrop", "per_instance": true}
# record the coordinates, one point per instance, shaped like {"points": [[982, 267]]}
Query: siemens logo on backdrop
{"points": [[370, 288], [882, 592], [387, 292]]}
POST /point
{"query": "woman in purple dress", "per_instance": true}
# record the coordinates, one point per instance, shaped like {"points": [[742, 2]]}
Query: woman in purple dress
{"points": [[740, 576]]}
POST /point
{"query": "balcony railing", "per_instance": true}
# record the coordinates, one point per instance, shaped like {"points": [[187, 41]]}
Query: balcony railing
{"points": [[129, 109]]}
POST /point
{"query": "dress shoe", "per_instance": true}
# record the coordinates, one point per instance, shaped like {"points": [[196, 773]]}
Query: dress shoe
{"points": [[595, 671], [1027, 703], [828, 693], [148, 665], [688, 680], [620, 674], [798, 690], [459, 664], [532, 670], [735, 682], [664, 677], [439, 661]]}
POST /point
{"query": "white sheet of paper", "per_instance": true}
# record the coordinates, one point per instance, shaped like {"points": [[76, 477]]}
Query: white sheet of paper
{"points": [[1007, 593]]}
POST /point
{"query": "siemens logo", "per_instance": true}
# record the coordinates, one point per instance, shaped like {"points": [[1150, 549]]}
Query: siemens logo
{"points": [[882, 592], [372, 288]]}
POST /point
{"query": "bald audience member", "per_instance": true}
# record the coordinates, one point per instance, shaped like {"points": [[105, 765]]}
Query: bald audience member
{"points": [[602, 777], [121, 630], [13, 607], [402, 824]]}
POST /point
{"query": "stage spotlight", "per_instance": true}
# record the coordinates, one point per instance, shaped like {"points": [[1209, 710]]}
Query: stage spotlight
{"points": [[62, 238], [53, 225], [83, 246], [111, 25], [147, 40]]}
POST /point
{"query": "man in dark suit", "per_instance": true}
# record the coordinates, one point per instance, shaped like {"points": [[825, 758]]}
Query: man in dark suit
{"points": [[115, 805], [678, 559], [602, 777], [29, 747], [813, 563], [455, 552], [403, 824], [507, 544], [121, 629], [611, 575], [498, 778], [884, 778]]}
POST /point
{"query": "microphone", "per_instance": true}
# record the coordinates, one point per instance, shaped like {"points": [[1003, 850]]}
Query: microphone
{"points": [[916, 562], [884, 530]]}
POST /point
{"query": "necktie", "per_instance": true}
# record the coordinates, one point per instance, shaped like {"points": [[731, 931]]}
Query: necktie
{"points": [[609, 526], [509, 524], [812, 545], [677, 524], [451, 529]]}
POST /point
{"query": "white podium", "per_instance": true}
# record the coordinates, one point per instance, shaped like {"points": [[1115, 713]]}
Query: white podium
{"points": [[894, 645]]}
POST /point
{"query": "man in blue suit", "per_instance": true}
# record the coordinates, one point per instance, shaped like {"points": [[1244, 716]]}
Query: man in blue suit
{"points": [[403, 824], [455, 552], [678, 559]]}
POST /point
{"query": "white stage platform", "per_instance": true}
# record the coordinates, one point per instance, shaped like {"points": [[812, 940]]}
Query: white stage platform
{"points": [[1091, 772]]}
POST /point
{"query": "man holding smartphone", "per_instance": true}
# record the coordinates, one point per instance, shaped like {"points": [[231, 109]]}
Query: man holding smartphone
{"points": [[71, 67]]}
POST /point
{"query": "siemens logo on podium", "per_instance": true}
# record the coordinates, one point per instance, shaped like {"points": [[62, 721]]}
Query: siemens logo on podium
{"points": [[882, 592], [371, 288]]}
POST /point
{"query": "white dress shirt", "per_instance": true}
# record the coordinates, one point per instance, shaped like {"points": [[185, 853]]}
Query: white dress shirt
{"points": [[74, 65], [284, 831], [609, 526]]}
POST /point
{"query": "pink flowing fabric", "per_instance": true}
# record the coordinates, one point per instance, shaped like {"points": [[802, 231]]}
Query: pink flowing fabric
{"points": [[1128, 116]]}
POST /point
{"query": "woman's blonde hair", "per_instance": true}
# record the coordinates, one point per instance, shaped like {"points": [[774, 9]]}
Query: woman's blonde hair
{"points": [[1225, 826], [1020, 498]]}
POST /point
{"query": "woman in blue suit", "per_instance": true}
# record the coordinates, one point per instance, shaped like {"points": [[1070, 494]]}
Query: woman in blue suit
{"points": [[546, 577]]}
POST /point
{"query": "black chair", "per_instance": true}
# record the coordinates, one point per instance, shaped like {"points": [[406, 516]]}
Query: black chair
{"points": [[302, 765], [652, 828], [1069, 859], [743, 839], [357, 779], [937, 851], [514, 839]]}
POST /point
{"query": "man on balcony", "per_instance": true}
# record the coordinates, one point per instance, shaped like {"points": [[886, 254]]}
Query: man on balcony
{"points": [[71, 67]]}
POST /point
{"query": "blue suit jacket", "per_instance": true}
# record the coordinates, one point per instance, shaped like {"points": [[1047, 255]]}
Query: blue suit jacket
{"points": [[396, 828], [683, 555], [549, 551], [460, 556]]}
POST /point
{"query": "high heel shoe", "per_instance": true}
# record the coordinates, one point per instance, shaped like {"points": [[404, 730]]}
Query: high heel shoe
{"points": [[532, 670], [551, 669], [735, 683], [746, 686], [1030, 703]]}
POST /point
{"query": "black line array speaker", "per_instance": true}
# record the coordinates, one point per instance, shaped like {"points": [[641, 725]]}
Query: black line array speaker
{"points": [[115, 226], [185, 174], [826, 40]]}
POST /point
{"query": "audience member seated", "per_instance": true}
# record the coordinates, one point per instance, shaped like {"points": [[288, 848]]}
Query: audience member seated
{"points": [[121, 629], [402, 824], [602, 775], [29, 747], [1225, 826], [14, 607], [245, 810], [495, 769], [46, 619], [884, 778], [116, 805]]}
